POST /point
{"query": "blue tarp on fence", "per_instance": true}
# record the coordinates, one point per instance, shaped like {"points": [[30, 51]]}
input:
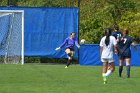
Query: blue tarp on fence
{"points": [[46, 28], [90, 55]]}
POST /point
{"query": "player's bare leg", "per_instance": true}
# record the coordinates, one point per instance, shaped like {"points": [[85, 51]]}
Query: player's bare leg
{"points": [[104, 70]]}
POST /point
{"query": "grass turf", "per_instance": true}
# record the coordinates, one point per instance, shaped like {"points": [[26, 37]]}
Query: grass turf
{"points": [[56, 79]]}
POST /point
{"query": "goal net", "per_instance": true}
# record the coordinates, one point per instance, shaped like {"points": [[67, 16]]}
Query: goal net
{"points": [[12, 36]]}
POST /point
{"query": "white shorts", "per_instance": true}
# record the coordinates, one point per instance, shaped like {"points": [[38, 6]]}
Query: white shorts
{"points": [[107, 60]]}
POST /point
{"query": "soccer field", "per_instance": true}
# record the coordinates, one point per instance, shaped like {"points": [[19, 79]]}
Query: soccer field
{"points": [[33, 78]]}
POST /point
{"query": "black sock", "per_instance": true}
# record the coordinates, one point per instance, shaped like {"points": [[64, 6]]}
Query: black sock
{"points": [[128, 70], [120, 70], [68, 63], [69, 54]]}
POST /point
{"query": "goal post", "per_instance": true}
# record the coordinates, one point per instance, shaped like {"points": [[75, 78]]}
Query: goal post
{"points": [[12, 36]]}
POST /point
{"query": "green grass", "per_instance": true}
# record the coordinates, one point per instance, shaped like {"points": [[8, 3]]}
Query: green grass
{"points": [[35, 78]]}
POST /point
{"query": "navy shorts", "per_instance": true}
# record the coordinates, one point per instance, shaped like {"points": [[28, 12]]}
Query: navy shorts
{"points": [[124, 55], [70, 49]]}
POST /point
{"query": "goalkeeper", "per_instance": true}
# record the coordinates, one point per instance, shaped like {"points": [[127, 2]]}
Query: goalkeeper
{"points": [[69, 42]]}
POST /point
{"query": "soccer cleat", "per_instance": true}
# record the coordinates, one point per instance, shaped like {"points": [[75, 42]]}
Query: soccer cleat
{"points": [[105, 79], [105, 82], [66, 66]]}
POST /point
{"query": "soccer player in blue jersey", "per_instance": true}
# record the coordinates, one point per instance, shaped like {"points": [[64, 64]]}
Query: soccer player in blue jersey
{"points": [[69, 44], [118, 35], [107, 46], [126, 42]]}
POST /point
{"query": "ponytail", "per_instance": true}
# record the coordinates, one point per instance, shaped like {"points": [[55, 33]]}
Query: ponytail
{"points": [[107, 34]]}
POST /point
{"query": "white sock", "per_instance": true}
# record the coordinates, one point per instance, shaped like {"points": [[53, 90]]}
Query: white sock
{"points": [[103, 74], [109, 72]]}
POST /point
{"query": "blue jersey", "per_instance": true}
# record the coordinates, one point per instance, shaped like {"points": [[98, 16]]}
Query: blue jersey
{"points": [[125, 46], [70, 43], [118, 35]]}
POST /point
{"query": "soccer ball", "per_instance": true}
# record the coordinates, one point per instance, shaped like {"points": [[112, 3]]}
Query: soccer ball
{"points": [[83, 41]]}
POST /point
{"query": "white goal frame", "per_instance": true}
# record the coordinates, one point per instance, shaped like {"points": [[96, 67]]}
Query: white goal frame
{"points": [[21, 11]]}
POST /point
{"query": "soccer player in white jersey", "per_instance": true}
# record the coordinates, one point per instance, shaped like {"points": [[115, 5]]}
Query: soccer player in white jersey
{"points": [[107, 47]]}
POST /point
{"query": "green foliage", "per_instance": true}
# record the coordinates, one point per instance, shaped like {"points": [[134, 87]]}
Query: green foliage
{"points": [[40, 3], [104, 14], [49, 60], [3, 2], [32, 60], [90, 30], [57, 60]]}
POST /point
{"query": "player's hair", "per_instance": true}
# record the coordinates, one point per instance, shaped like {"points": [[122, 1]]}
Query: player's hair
{"points": [[126, 31], [71, 33], [116, 27], [108, 32]]}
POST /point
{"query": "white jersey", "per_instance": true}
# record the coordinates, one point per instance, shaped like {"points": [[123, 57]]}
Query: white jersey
{"points": [[107, 52]]}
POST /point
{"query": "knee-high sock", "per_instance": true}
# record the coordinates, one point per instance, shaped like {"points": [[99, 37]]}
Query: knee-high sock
{"points": [[108, 73], [103, 74], [120, 70], [128, 70], [69, 54], [68, 62]]}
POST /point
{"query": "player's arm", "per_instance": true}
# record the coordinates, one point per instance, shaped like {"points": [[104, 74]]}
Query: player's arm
{"points": [[76, 43], [116, 48], [101, 50], [134, 44], [101, 47], [62, 45]]}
